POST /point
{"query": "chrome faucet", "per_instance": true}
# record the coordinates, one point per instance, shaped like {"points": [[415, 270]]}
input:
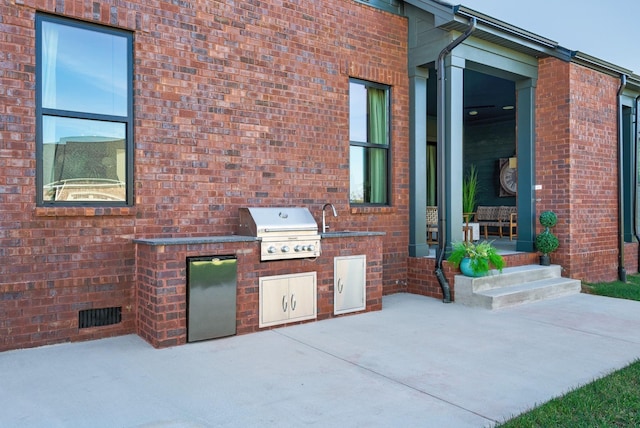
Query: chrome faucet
{"points": [[324, 222]]}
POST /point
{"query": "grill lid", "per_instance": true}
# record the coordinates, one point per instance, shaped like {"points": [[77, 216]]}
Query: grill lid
{"points": [[273, 221]]}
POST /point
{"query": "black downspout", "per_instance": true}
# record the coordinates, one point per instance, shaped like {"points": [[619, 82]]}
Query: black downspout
{"points": [[622, 273], [442, 241], [635, 175]]}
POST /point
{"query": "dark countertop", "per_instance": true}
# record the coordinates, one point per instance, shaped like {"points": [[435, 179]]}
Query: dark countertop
{"points": [[240, 238], [195, 240], [349, 234]]}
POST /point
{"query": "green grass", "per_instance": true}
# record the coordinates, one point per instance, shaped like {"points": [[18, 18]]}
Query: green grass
{"points": [[612, 401], [629, 290]]}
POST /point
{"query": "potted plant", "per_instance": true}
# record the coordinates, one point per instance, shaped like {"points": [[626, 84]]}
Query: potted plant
{"points": [[547, 242], [476, 259], [470, 191]]}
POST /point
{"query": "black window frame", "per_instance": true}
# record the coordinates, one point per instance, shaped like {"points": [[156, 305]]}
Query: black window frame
{"points": [[41, 112], [388, 91]]}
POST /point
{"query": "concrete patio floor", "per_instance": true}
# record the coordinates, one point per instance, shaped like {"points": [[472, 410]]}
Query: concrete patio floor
{"points": [[416, 363]]}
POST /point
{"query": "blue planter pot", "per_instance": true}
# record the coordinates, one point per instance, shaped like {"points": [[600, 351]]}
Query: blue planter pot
{"points": [[466, 269]]}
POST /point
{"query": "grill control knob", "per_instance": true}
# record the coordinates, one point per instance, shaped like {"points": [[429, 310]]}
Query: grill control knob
{"points": [[298, 248], [271, 249], [284, 249], [311, 248]]}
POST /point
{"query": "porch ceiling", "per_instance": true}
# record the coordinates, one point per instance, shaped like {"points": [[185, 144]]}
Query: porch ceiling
{"points": [[486, 95]]}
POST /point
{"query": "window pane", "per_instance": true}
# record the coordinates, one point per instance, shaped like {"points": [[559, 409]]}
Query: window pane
{"points": [[357, 160], [377, 184], [83, 70], [357, 112], [83, 160], [368, 175], [377, 116]]}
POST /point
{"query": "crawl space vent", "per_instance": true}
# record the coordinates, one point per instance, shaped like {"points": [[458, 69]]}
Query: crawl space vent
{"points": [[99, 317]]}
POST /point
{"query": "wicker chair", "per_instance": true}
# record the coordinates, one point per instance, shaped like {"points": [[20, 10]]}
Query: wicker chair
{"points": [[432, 225], [489, 217], [513, 223], [498, 217]]}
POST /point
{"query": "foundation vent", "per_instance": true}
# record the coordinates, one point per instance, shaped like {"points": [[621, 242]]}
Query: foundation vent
{"points": [[99, 317]]}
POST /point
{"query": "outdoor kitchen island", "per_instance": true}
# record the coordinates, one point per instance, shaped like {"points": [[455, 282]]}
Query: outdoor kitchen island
{"points": [[161, 283]]}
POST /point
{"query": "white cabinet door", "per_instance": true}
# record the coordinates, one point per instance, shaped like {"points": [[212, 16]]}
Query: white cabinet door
{"points": [[274, 300], [302, 299], [286, 298], [349, 284]]}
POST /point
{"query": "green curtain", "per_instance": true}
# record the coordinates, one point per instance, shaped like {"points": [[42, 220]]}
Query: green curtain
{"points": [[377, 135], [431, 175]]}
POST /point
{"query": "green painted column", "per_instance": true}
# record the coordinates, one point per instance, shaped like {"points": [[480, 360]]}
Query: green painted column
{"points": [[454, 133], [418, 162], [526, 201], [628, 169]]}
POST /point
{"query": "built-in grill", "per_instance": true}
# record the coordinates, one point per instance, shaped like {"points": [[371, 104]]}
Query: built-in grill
{"points": [[286, 233]]}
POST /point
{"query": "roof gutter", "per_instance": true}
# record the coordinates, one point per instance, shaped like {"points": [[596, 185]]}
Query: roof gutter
{"points": [[442, 238], [622, 273], [504, 27]]}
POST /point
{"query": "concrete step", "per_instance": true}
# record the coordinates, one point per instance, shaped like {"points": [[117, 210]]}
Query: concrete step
{"points": [[515, 286], [515, 275], [528, 292]]}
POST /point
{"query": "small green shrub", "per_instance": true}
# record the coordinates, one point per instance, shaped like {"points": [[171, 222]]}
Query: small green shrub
{"points": [[548, 219], [547, 242]]}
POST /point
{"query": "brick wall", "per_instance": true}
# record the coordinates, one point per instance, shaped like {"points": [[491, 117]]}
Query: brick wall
{"points": [[576, 164], [236, 104]]}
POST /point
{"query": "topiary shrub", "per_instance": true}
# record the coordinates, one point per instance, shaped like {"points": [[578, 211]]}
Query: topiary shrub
{"points": [[546, 242], [548, 219]]}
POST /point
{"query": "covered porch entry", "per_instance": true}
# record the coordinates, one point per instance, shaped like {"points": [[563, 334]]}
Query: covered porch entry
{"points": [[477, 111]]}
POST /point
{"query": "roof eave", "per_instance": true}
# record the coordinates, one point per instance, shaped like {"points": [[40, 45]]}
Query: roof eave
{"points": [[450, 17], [497, 24], [581, 58], [599, 64], [504, 34]]}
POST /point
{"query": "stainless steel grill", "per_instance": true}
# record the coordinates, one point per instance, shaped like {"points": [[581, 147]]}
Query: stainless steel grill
{"points": [[285, 233]]}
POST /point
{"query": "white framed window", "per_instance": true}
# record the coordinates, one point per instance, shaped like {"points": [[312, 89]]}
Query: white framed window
{"points": [[84, 113], [369, 154]]}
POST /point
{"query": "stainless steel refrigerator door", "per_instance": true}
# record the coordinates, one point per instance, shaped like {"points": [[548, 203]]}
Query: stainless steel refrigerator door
{"points": [[211, 297]]}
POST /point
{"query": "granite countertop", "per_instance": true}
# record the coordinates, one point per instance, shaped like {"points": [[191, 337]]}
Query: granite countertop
{"points": [[241, 238], [349, 234], [195, 240]]}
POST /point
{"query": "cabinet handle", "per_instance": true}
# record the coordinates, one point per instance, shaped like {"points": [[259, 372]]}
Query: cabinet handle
{"points": [[284, 303], [293, 302], [340, 285]]}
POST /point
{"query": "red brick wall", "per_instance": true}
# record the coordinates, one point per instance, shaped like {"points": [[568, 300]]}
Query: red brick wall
{"points": [[235, 104], [576, 163]]}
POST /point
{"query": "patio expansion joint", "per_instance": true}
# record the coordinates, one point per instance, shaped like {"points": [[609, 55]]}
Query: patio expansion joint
{"points": [[583, 331], [383, 376]]}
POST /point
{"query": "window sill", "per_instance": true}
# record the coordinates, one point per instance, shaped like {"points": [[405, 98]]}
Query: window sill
{"points": [[84, 211], [373, 210]]}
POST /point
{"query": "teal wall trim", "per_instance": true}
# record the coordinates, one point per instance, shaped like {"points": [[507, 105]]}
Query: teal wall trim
{"points": [[418, 162], [454, 72], [628, 169], [526, 201]]}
